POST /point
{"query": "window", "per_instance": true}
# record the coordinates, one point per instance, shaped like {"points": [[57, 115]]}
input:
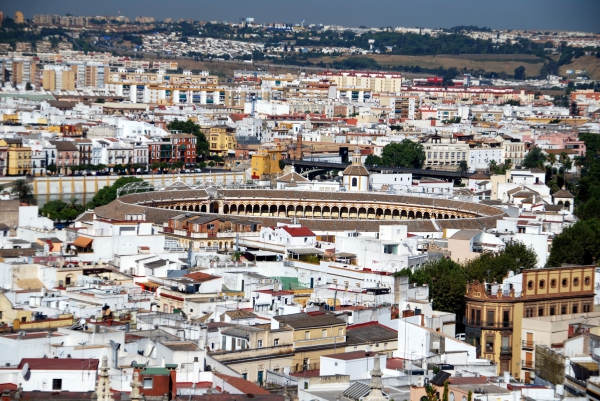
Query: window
{"points": [[586, 308], [576, 282], [324, 333], [307, 335], [563, 309], [540, 311], [147, 383], [340, 331], [587, 281], [489, 345], [56, 384], [530, 285], [575, 309], [276, 341], [354, 182], [553, 283], [552, 311], [542, 284], [260, 342], [529, 312], [564, 282]]}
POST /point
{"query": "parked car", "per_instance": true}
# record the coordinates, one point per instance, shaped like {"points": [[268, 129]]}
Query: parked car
{"points": [[460, 337]]}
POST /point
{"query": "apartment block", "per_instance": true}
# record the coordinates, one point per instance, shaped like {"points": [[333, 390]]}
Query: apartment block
{"points": [[495, 311]]}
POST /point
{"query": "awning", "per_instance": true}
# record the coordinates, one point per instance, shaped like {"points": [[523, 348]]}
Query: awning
{"points": [[263, 253], [83, 242], [305, 251], [345, 255]]}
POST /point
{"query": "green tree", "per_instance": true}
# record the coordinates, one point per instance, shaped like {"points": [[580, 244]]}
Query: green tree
{"points": [[431, 393], [463, 166], [403, 154], [493, 267], [447, 284], [445, 393], [577, 244], [109, 194], [535, 158], [23, 190], [52, 168], [520, 73], [470, 396], [373, 160], [281, 164]]}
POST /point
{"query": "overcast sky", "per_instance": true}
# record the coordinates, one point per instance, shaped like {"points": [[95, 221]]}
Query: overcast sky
{"points": [[581, 15]]}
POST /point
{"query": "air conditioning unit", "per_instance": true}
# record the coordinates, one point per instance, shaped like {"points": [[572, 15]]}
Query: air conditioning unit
{"points": [[420, 381]]}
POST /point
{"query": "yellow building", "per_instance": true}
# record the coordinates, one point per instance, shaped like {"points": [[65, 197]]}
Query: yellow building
{"points": [[266, 162], [19, 158], [58, 80], [19, 18], [314, 335], [221, 140], [494, 313]]}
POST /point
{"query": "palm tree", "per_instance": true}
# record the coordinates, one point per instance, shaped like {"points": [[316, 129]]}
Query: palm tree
{"points": [[72, 203], [566, 161], [24, 191]]}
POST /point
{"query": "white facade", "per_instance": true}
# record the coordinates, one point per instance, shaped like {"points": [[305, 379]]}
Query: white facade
{"points": [[358, 366], [393, 181], [480, 158]]}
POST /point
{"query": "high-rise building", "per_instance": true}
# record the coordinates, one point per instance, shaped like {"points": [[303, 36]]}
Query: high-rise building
{"points": [[58, 79], [19, 18], [1, 17]]}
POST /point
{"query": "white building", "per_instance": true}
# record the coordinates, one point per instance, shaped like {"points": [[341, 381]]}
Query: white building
{"points": [[356, 176]]}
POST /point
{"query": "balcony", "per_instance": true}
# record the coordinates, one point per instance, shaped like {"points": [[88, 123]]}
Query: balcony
{"points": [[487, 325], [528, 365], [527, 345]]}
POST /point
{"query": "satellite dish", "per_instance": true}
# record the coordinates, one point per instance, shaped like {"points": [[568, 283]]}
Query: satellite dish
{"points": [[82, 322], [25, 372]]}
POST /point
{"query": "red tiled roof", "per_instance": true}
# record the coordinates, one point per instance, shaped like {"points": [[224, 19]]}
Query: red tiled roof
{"points": [[242, 385], [394, 363], [59, 364], [298, 231], [200, 277]]}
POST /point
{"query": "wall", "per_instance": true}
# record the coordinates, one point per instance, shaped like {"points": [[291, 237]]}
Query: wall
{"points": [[79, 185]]}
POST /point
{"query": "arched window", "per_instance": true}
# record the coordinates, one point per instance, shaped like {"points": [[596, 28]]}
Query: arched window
{"points": [[530, 285], [451, 397], [542, 284], [354, 182], [576, 282], [587, 280], [564, 282]]}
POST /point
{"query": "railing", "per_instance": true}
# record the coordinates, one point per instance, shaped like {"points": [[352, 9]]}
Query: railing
{"points": [[222, 355], [320, 341], [527, 364], [304, 367], [527, 344], [484, 324]]}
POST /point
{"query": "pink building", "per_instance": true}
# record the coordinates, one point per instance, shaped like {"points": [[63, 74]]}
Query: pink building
{"points": [[67, 155]]}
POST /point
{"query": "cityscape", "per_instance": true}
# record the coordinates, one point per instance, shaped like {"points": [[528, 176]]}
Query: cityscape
{"points": [[227, 210]]}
